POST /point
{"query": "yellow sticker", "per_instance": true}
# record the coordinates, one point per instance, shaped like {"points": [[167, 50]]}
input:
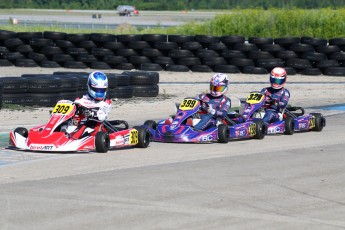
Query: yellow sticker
{"points": [[252, 129], [62, 108], [134, 137], [255, 98], [188, 104], [312, 122]]}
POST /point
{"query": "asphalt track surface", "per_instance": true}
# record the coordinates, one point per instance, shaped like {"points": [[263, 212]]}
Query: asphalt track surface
{"points": [[280, 182]]}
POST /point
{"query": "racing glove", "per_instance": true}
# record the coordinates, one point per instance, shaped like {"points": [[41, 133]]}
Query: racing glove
{"points": [[88, 113], [211, 110]]}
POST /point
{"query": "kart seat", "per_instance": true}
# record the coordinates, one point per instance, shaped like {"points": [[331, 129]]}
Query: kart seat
{"points": [[189, 121]]}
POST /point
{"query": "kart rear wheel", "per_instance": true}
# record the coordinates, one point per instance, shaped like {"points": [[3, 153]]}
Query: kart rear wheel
{"points": [[102, 142], [22, 131], [151, 124], [223, 133], [289, 126], [261, 129], [144, 137], [320, 122]]}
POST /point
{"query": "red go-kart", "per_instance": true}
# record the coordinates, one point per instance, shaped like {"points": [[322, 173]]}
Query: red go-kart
{"points": [[88, 134]]}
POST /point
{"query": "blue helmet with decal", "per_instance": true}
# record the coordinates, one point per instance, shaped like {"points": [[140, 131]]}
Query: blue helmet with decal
{"points": [[97, 85]]}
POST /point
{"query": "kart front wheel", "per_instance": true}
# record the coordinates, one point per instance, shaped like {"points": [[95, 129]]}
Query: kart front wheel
{"points": [[22, 131], [151, 124], [102, 142], [223, 133], [320, 122], [144, 137], [289, 126], [260, 129]]}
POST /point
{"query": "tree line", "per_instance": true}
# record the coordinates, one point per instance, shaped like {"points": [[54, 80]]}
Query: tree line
{"points": [[172, 4]]}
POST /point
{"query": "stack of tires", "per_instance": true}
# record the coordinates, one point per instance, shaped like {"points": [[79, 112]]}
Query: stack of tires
{"points": [[179, 53], [45, 90]]}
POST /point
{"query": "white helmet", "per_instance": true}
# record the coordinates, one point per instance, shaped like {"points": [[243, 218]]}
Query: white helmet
{"points": [[97, 85], [219, 84], [278, 78]]}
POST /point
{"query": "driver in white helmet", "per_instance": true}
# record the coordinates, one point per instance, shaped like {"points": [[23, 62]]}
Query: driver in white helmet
{"points": [[94, 103], [277, 97], [215, 103]]}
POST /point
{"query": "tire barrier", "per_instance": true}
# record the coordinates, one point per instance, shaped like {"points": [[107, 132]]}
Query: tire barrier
{"points": [[44, 90], [180, 53]]}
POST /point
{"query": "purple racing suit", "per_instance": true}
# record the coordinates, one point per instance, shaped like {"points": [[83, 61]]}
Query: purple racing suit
{"points": [[215, 108], [276, 102]]}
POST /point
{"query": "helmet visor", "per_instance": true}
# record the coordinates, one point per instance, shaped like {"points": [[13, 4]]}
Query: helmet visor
{"points": [[219, 88], [98, 90], [278, 81]]}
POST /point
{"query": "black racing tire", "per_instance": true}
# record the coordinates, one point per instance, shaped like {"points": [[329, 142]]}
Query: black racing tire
{"points": [[144, 137], [230, 54], [232, 39], [289, 126], [138, 45], [152, 124], [201, 68], [203, 53], [328, 50], [5, 63], [260, 129], [122, 92], [145, 90], [99, 65], [150, 67], [151, 53], [142, 77], [286, 54], [113, 45], [258, 54], [24, 62], [125, 38], [102, 37], [22, 131], [177, 68], [126, 52], [320, 122], [273, 48], [223, 133], [212, 61], [49, 64], [53, 35], [14, 84], [314, 41], [102, 142], [38, 84], [311, 72], [76, 38], [180, 38], [226, 69], [334, 71], [24, 49]]}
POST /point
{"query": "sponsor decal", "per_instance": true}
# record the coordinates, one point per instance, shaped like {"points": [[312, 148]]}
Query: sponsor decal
{"points": [[207, 138], [41, 147], [119, 140], [303, 125], [252, 129], [312, 122], [273, 130], [134, 137], [241, 133], [126, 138], [173, 125]]}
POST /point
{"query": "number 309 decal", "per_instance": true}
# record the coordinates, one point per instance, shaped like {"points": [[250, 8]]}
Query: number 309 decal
{"points": [[62, 108]]}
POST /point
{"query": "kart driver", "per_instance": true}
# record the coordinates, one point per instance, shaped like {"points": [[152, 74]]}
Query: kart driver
{"points": [[95, 99], [277, 97], [215, 103]]}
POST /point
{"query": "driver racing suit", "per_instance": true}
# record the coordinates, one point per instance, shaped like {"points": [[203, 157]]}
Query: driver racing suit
{"points": [[98, 110], [276, 102], [216, 107]]}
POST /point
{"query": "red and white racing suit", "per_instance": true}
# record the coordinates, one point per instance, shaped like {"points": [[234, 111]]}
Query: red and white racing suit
{"points": [[102, 106]]}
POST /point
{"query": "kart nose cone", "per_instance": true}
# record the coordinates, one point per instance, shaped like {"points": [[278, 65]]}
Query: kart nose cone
{"points": [[168, 137]]}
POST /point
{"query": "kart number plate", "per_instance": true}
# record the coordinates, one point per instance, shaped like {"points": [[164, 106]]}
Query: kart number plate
{"points": [[62, 108], [255, 98], [188, 104], [134, 137], [252, 129]]}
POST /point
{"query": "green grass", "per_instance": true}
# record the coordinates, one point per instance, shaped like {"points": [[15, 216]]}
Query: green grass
{"points": [[274, 23]]}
